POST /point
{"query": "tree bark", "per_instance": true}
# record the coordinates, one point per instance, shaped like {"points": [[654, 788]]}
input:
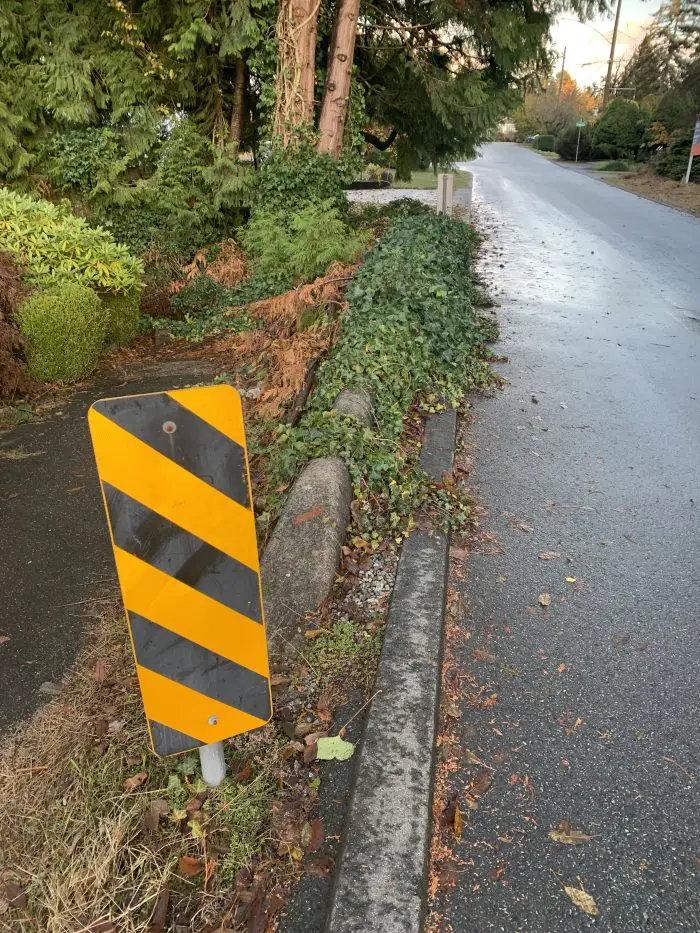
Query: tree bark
{"points": [[236, 125], [336, 93], [296, 66]]}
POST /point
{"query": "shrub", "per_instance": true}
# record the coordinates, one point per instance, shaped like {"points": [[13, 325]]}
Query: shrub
{"points": [[299, 246], [292, 177], [55, 246], [193, 198], [545, 143], [566, 143], [617, 165], [673, 161], [123, 312], [66, 328], [620, 131], [201, 296]]}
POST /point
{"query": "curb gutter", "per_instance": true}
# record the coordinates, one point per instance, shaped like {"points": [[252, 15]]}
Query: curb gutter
{"points": [[382, 872]]}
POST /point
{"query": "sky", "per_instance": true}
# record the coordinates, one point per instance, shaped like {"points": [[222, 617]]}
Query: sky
{"points": [[587, 51]]}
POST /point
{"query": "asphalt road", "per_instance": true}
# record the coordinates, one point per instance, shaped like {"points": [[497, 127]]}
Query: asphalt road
{"points": [[592, 451]]}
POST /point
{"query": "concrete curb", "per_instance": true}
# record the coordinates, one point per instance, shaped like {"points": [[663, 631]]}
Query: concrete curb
{"points": [[381, 877], [301, 559]]}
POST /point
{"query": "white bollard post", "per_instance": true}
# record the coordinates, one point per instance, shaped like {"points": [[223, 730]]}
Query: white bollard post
{"points": [[444, 194], [213, 763]]}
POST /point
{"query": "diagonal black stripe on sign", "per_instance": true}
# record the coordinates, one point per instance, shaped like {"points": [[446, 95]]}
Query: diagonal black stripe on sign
{"points": [[187, 663], [195, 445], [168, 547], [167, 741]]}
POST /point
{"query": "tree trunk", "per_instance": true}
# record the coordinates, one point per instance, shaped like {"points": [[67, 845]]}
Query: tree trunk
{"points": [[336, 93], [296, 66], [236, 125]]}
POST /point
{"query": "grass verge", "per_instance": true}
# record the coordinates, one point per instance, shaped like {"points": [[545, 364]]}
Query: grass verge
{"points": [[664, 190]]}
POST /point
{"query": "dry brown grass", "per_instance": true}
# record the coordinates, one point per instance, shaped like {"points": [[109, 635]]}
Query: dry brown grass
{"points": [[80, 846], [655, 188]]}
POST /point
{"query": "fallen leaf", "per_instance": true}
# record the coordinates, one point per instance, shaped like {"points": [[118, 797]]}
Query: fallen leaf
{"points": [[311, 753], [14, 894], [480, 654], [136, 781], [307, 516], [571, 579], [4, 638], [583, 900], [550, 555], [334, 748], [568, 836], [314, 633], [316, 838], [545, 599], [561, 668], [481, 783], [319, 867], [160, 911], [280, 680], [457, 823], [245, 773], [156, 809], [189, 866]]}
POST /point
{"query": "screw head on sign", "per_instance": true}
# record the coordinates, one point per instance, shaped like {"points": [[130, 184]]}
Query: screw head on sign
{"points": [[169, 427], [212, 720]]}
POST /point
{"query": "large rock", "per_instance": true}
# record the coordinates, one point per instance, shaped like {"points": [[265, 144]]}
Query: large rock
{"points": [[301, 559], [357, 403]]}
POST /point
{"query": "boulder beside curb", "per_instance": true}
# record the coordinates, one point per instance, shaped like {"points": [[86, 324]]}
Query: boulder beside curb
{"points": [[357, 403], [301, 559]]}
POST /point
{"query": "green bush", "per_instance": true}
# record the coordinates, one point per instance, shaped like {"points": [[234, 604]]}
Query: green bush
{"points": [[193, 198], [673, 161], [566, 143], [293, 177], [55, 246], [620, 131], [66, 328], [545, 143], [299, 246], [617, 165], [122, 315]]}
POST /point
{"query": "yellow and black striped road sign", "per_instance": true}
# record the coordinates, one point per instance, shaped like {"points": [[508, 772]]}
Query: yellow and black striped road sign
{"points": [[174, 473]]}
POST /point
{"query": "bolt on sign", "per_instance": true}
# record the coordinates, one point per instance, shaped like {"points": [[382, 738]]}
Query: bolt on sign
{"points": [[174, 473]]}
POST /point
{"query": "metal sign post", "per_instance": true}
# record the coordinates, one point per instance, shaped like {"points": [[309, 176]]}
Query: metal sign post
{"points": [[444, 194], [174, 473], [580, 124], [694, 151]]}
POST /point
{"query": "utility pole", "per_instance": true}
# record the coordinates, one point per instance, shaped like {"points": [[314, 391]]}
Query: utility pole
{"points": [[608, 77], [563, 65]]}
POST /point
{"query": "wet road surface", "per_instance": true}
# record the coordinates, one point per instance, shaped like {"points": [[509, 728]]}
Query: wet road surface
{"points": [[592, 452]]}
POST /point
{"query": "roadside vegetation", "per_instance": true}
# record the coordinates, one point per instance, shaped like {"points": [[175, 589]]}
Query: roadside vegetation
{"points": [[98, 833]]}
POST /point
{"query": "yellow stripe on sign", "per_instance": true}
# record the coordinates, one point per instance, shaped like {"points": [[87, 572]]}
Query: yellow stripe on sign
{"points": [[190, 614], [205, 401], [188, 711], [173, 492]]}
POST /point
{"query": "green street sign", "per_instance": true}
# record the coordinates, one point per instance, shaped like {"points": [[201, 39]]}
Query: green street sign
{"points": [[580, 124]]}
